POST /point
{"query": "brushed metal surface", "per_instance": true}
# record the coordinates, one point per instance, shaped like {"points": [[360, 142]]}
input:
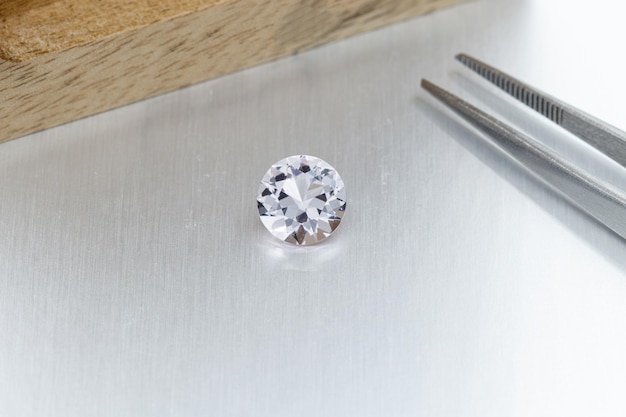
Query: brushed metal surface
{"points": [[137, 280]]}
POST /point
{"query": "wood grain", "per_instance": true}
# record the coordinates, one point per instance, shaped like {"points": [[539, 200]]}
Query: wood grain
{"points": [[64, 60]]}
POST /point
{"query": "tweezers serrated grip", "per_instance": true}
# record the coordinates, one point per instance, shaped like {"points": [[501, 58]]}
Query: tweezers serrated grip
{"points": [[597, 133]]}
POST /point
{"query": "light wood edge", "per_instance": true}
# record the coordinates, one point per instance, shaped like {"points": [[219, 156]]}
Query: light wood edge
{"points": [[29, 28], [68, 85]]}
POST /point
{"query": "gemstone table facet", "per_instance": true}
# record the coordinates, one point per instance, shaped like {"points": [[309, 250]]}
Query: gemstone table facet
{"points": [[301, 199]]}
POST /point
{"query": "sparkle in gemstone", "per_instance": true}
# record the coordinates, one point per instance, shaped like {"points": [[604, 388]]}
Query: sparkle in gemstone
{"points": [[301, 199]]}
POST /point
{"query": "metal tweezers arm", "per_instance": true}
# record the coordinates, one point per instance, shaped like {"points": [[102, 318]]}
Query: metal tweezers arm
{"points": [[602, 202], [597, 133]]}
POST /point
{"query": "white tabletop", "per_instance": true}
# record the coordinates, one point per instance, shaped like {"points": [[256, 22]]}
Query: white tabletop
{"points": [[137, 280]]}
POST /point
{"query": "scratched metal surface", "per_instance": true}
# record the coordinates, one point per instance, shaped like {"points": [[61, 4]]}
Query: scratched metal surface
{"points": [[137, 280]]}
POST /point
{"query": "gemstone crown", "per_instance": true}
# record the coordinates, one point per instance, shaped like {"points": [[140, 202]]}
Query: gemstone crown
{"points": [[301, 199]]}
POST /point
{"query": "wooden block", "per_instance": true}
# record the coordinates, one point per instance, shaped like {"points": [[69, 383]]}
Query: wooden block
{"points": [[61, 60]]}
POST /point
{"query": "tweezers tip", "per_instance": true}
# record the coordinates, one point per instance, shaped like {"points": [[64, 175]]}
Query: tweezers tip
{"points": [[462, 56], [426, 84], [430, 87]]}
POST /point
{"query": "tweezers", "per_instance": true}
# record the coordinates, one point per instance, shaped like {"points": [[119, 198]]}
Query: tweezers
{"points": [[592, 195]]}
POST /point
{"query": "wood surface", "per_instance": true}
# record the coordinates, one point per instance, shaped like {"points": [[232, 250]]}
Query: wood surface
{"points": [[61, 60]]}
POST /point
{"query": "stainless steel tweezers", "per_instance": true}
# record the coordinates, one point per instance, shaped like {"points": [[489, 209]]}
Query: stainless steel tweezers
{"points": [[600, 200]]}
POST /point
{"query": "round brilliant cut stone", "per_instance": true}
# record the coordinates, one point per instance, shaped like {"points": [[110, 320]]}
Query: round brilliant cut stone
{"points": [[301, 199]]}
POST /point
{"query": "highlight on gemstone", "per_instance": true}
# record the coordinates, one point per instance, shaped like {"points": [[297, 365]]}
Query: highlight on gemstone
{"points": [[301, 199]]}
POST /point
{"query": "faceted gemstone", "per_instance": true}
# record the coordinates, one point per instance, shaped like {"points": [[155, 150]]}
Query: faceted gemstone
{"points": [[301, 199]]}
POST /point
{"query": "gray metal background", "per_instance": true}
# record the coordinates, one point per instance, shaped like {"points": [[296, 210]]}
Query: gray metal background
{"points": [[137, 280]]}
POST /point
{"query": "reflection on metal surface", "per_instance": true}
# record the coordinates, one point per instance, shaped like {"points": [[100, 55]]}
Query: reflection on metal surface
{"points": [[279, 256]]}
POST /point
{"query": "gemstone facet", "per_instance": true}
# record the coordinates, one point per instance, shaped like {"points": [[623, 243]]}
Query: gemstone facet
{"points": [[301, 199]]}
